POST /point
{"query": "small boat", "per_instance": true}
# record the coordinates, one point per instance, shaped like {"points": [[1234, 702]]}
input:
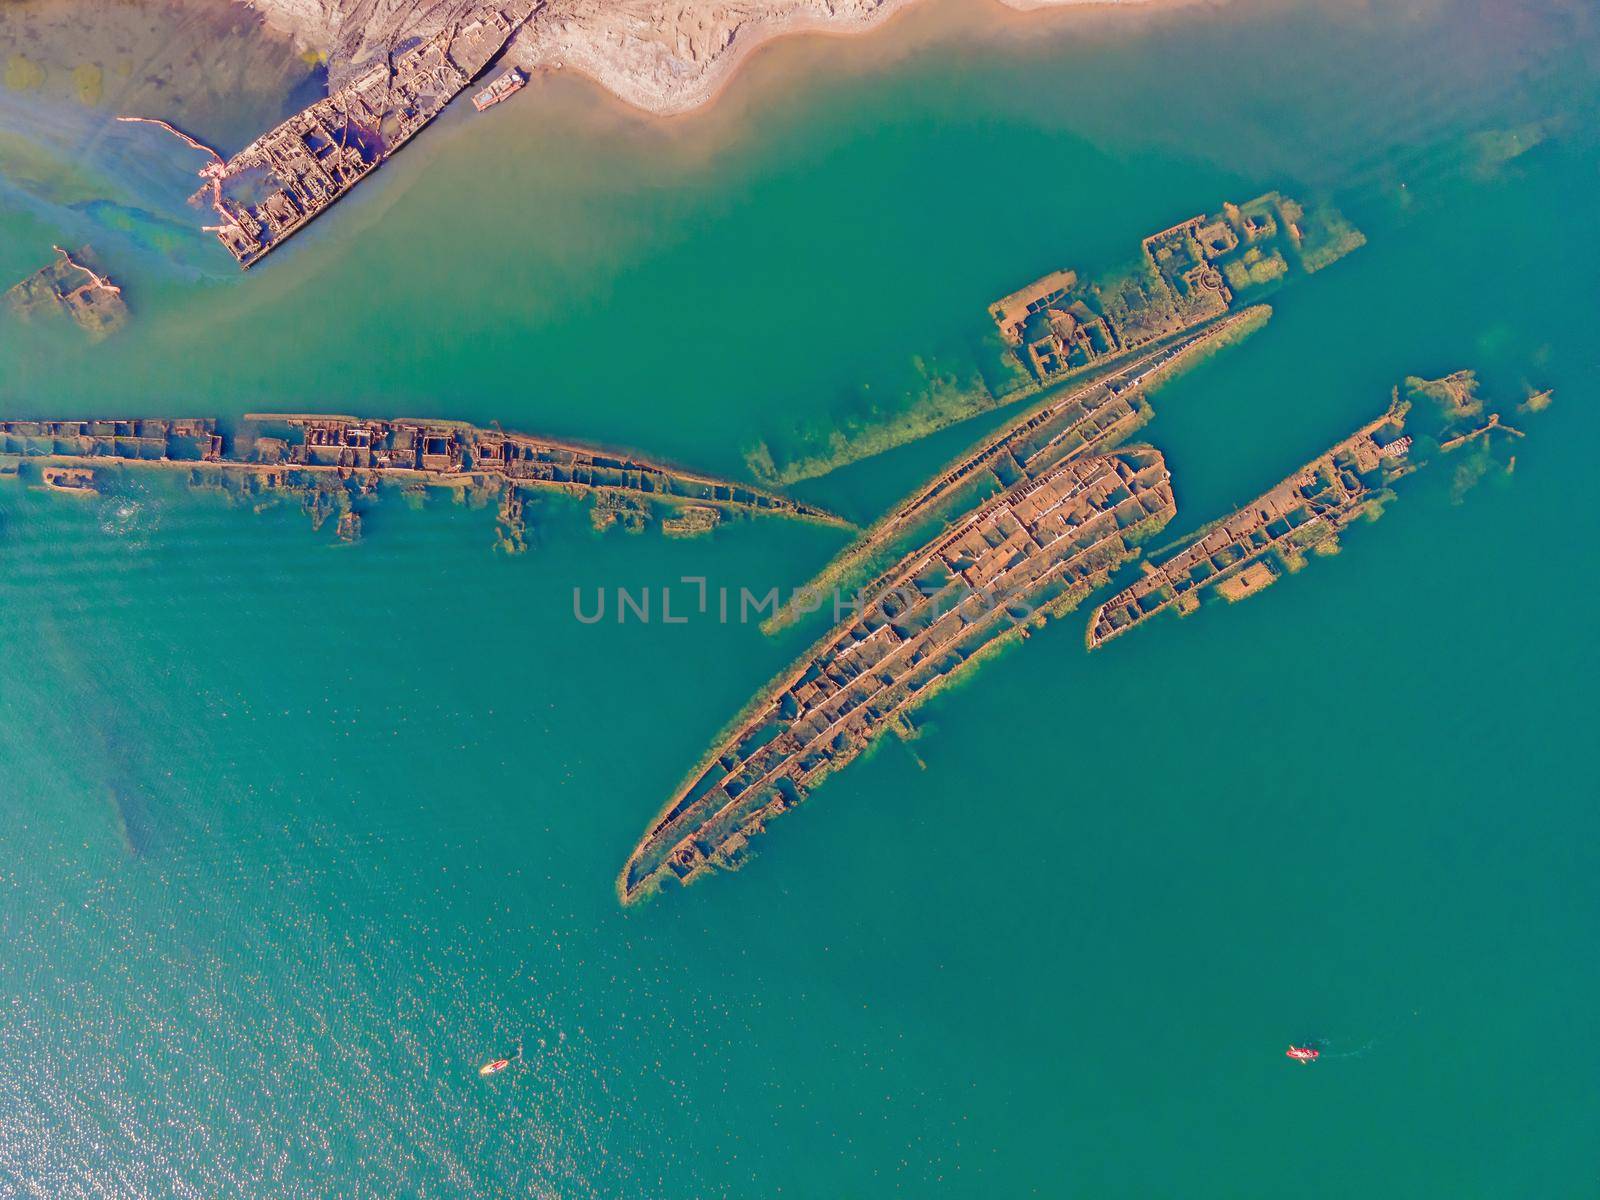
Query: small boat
{"points": [[1305, 1055], [509, 84], [495, 1067]]}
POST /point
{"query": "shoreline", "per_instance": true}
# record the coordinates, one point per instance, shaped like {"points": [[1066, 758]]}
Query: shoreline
{"points": [[659, 62], [724, 67]]}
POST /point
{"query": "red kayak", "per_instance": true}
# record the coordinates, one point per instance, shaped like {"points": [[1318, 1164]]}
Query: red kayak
{"points": [[495, 1067], [1303, 1054]]}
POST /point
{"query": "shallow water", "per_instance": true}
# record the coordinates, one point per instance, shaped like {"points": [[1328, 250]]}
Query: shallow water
{"points": [[297, 835]]}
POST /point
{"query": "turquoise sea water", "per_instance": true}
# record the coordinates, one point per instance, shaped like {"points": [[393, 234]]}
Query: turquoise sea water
{"points": [[295, 836]]}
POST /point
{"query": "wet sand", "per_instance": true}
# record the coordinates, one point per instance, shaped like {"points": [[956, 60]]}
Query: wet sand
{"points": [[665, 85], [662, 58], [771, 74], [211, 65]]}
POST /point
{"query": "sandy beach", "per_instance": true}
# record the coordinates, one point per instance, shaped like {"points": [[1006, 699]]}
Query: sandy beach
{"points": [[664, 58], [657, 57]]}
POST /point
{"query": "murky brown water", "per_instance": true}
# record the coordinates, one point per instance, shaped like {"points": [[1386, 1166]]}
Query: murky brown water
{"points": [[208, 64]]}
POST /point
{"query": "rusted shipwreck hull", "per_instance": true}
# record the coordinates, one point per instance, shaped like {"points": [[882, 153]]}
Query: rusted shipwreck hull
{"points": [[1090, 418], [347, 456], [70, 285], [1040, 547], [1236, 555], [294, 172], [114, 440], [454, 448]]}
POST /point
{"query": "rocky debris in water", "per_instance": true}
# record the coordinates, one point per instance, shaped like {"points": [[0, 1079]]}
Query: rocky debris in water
{"points": [[70, 285], [612, 508], [349, 527], [692, 521], [75, 480], [511, 526]]}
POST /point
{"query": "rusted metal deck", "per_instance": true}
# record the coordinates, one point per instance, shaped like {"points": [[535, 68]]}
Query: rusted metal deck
{"points": [[1304, 512], [294, 172], [336, 460], [1040, 547]]}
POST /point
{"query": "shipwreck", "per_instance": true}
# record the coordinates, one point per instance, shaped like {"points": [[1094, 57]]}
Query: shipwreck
{"points": [[1037, 549], [1245, 552], [334, 464], [71, 286], [297, 170]]}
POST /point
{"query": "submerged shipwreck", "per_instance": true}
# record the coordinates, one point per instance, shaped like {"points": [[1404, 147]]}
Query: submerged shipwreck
{"points": [[335, 463], [1195, 288], [1249, 550], [71, 286], [1302, 514], [292, 173], [1069, 513], [1094, 415], [1022, 527], [1063, 329], [1186, 276], [1041, 546]]}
